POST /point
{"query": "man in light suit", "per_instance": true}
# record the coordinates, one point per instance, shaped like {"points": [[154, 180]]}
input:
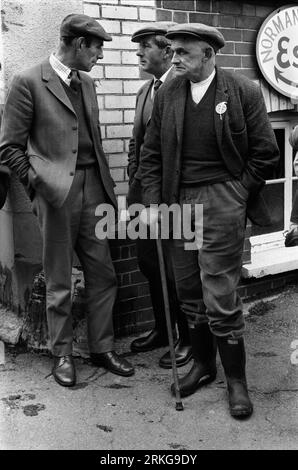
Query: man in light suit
{"points": [[209, 143], [155, 55], [51, 139]]}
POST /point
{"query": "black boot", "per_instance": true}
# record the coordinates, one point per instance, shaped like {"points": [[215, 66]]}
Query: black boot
{"points": [[203, 370], [232, 354]]}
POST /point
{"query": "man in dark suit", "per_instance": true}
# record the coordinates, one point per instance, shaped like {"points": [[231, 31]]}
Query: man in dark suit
{"points": [[291, 238], [155, 56], [51, 140], [209, 144]]}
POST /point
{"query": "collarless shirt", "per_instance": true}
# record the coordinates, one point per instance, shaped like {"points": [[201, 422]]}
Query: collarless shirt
{"points": [[60, 69], [199, 89]]}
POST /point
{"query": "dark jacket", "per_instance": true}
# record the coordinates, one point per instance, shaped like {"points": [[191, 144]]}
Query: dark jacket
{"points": [[4, 181], [244, 135]]}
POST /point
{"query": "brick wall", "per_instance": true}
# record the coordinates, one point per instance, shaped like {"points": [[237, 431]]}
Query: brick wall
{"points": [[239, 23]]}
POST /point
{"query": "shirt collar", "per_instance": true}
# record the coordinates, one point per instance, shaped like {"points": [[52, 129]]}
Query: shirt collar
{"points": [[61, 70]]}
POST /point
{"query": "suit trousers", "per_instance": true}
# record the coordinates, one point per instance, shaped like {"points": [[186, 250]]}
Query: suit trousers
{"points": [[69, 228], [207, 277]]}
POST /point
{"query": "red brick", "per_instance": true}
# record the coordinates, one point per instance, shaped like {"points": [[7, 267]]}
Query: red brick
{"points": [[226, 21], [210, 20], [231, 34], [228, 61], [125, 266], [186, 5], [248, 22], [164, 15], [245, 48], [232, 8], [180, 17], [249, 36], [137, 277], [249, 10], [203, 5]]}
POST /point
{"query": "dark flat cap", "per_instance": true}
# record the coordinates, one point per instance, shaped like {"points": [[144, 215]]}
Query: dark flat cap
{"points": [[156, 28], [76, 25], [199, 31]]}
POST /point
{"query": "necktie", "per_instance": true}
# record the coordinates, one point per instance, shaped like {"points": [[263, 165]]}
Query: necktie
{"points": [[75, 82], [156, 86]]}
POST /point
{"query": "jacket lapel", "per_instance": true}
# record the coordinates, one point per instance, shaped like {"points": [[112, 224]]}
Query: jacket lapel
{"points": [[141, 104], [87, 97], [179, 106], [54, 85], [220, 106]]}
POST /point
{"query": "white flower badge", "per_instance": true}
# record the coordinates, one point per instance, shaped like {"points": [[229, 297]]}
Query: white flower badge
{"points": [[221, 108]]}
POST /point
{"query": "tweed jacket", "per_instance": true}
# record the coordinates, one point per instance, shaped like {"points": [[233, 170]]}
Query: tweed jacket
{"points": [[244, 135], [39, 135], [139, 129]]}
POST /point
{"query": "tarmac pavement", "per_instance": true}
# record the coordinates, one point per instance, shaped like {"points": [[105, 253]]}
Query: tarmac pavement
{"points": [[107, 412]]}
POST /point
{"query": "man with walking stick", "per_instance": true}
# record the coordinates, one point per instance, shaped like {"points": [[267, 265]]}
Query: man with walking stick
{"points": [[209, 143]]}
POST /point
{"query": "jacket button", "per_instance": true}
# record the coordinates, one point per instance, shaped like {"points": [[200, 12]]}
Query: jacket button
{"points": [[71, 173], [74, 151], [74, 128]]}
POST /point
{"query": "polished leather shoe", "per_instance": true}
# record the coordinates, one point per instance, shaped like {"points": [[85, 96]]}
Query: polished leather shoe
{"points": [[147, 343], [183, 354], [291, 238], [114, 363], [64, 371]]}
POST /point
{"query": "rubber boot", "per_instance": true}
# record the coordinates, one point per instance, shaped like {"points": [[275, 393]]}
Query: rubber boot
{"points": [[232, 354], [203, 370]]}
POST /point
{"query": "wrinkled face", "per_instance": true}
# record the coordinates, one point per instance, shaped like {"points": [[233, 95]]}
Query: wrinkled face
{"points": [[189, 58], [150, 55], [88, 56]]}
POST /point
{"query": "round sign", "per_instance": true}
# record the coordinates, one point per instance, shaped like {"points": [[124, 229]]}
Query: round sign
{"points": [[277, 50]]}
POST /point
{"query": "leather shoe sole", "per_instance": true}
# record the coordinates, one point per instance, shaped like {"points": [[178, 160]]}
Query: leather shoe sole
{"points": [[166, 363], [205, 380], [106, 360]]}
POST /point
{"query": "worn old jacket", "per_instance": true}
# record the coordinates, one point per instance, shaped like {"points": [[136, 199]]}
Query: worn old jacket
{"points": [[244, 135], [39, 136]]}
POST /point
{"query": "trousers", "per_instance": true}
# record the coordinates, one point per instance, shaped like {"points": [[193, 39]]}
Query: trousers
{"points": [[207, 275], [69, 228]]}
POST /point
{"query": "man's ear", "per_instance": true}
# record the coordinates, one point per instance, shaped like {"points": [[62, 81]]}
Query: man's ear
{"points": [[168, 53], [80, 42]]}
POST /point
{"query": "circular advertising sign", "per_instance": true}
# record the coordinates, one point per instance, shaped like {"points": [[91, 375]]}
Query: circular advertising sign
{"points": [[277, 50]]}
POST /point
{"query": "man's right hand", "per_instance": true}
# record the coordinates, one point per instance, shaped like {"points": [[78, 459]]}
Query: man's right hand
{"points": [[149, 216]]}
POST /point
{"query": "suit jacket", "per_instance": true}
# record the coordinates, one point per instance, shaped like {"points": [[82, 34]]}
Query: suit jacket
{"points": [[4, 181], [244, 135], [139, 129], [39, 135]]}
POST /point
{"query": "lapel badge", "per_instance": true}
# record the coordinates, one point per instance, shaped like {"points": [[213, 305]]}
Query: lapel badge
{"points": [[221, 108]]}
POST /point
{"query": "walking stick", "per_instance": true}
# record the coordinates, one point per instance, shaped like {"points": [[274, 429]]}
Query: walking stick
{"points": [[179, 404]]}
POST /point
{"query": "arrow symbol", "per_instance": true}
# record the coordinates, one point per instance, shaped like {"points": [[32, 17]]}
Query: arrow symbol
{"points": [[279, 76]]}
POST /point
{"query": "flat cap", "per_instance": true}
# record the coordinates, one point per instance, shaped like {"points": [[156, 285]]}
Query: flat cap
{"points": [[76, 25], [157, 28], [199, 31]]}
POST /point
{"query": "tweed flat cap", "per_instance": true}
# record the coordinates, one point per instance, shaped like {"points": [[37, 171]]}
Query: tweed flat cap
{"points": [[76, 25], [157, 28], [200, 31]]}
